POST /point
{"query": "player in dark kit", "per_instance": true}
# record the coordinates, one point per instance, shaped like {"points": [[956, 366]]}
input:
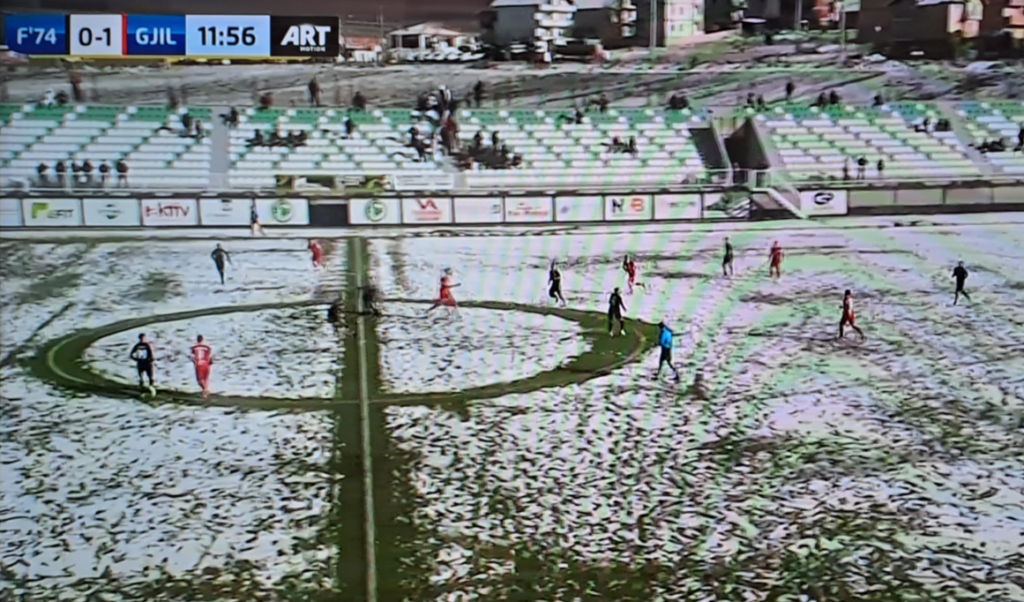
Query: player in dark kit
{"points": [[615, 309], [727, 260], [142, 353], [555, 284], [665, 343], [370, 300], [219, 256], [960, 273]]}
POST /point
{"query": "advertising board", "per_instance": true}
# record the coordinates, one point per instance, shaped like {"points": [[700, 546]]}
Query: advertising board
{"points": [[51, 212], [823, 202], [154, 35], [283, 212], [529, 209], [478, 210], [411, 181], [169, 212], [224, 212], [374, 212], [579, 209], [676, 206], [427, 210], [120, 213], [631, 207], [37, 34], [304, 36], [10, 213]]}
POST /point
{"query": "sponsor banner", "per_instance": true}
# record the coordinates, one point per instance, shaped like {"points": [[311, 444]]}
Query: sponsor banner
{"points": [[427, 210], [40, 35], [155, 35], [375, 212], [423, 181], [283, 212], [676, 206], [122, 213], [478, 210], [10, 213], [170, 212], [51, 212], [579, 209], [304, 36], [718, 205], [631, 207], [823, 202], [224, 212], [528, 209]]}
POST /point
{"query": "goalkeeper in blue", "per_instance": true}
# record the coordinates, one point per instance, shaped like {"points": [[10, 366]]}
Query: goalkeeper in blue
{"points": [[665, 343]]}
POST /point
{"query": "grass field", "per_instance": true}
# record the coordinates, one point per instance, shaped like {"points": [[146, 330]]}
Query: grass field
{"points": [[517, 452]]}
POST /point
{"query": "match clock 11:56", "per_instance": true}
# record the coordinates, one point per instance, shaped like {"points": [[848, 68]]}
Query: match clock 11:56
{"points": [[96, 35], [227, 35]]}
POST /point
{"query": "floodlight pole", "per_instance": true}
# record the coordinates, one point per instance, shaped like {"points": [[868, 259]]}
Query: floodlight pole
{"points": [[654, 25]]}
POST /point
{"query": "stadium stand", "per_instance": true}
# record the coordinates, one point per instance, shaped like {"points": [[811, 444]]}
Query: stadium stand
{"points": [[558, 152], [815, 143], [987, 121], [377, 146], [148, 139]]}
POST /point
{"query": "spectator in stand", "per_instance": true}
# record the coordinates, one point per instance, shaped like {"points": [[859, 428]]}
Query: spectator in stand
{"points": [[1020, 139], [602, 103], [790, 88], [62, 174], [862, 166], [122, 173], [350, 126], [631, 146], [881, 168], [266, 100], [74, 174], [833, 99], [846, 169], [200, 132], [478, 93], [257, 139], [48, 99], [87, 170], [495, 139], [104, 173], [359, 101], [186, 123], [751, 100], [822, 100], [414, 134], [76, 87], [41, 170], [314, 92], [879, 100], [477, 147], [231, 118], [761, 104], [172, 99], [678, 102]]}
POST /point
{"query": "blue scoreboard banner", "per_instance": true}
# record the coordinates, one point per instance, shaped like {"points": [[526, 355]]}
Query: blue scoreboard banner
{"points": [[155, 35], [37, 34], [200, 36]]}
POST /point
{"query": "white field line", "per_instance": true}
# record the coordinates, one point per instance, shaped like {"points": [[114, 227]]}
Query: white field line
{"points": [[364, 424]]}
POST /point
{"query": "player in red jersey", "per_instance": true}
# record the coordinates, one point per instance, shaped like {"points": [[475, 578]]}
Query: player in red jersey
{"points": [[445, 297], [848, 316], [629, 264], [318, 253], [775, 260], [202, 357]]}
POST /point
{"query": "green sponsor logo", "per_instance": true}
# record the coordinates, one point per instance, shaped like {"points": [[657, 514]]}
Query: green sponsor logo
{"points": [[282, 211], [39, 209], [376, 211]]}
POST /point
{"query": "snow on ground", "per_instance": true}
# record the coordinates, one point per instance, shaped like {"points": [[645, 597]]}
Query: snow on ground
{"points": [[97, 487], [890, 464], [477, 349]]}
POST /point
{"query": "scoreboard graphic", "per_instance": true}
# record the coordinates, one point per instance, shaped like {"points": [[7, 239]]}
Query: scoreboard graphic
{"points": [[199, 36]]}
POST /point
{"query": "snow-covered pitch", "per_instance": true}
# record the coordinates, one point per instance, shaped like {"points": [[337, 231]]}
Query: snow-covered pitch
{"points": [[784, 462]]}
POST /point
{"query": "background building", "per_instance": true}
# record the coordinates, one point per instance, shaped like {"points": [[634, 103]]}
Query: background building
{"points": [[611, 21], [534, 22], [676, 20]]}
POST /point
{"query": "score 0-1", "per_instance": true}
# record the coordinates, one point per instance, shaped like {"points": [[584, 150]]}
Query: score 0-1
{"points": [[97, 35]]}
